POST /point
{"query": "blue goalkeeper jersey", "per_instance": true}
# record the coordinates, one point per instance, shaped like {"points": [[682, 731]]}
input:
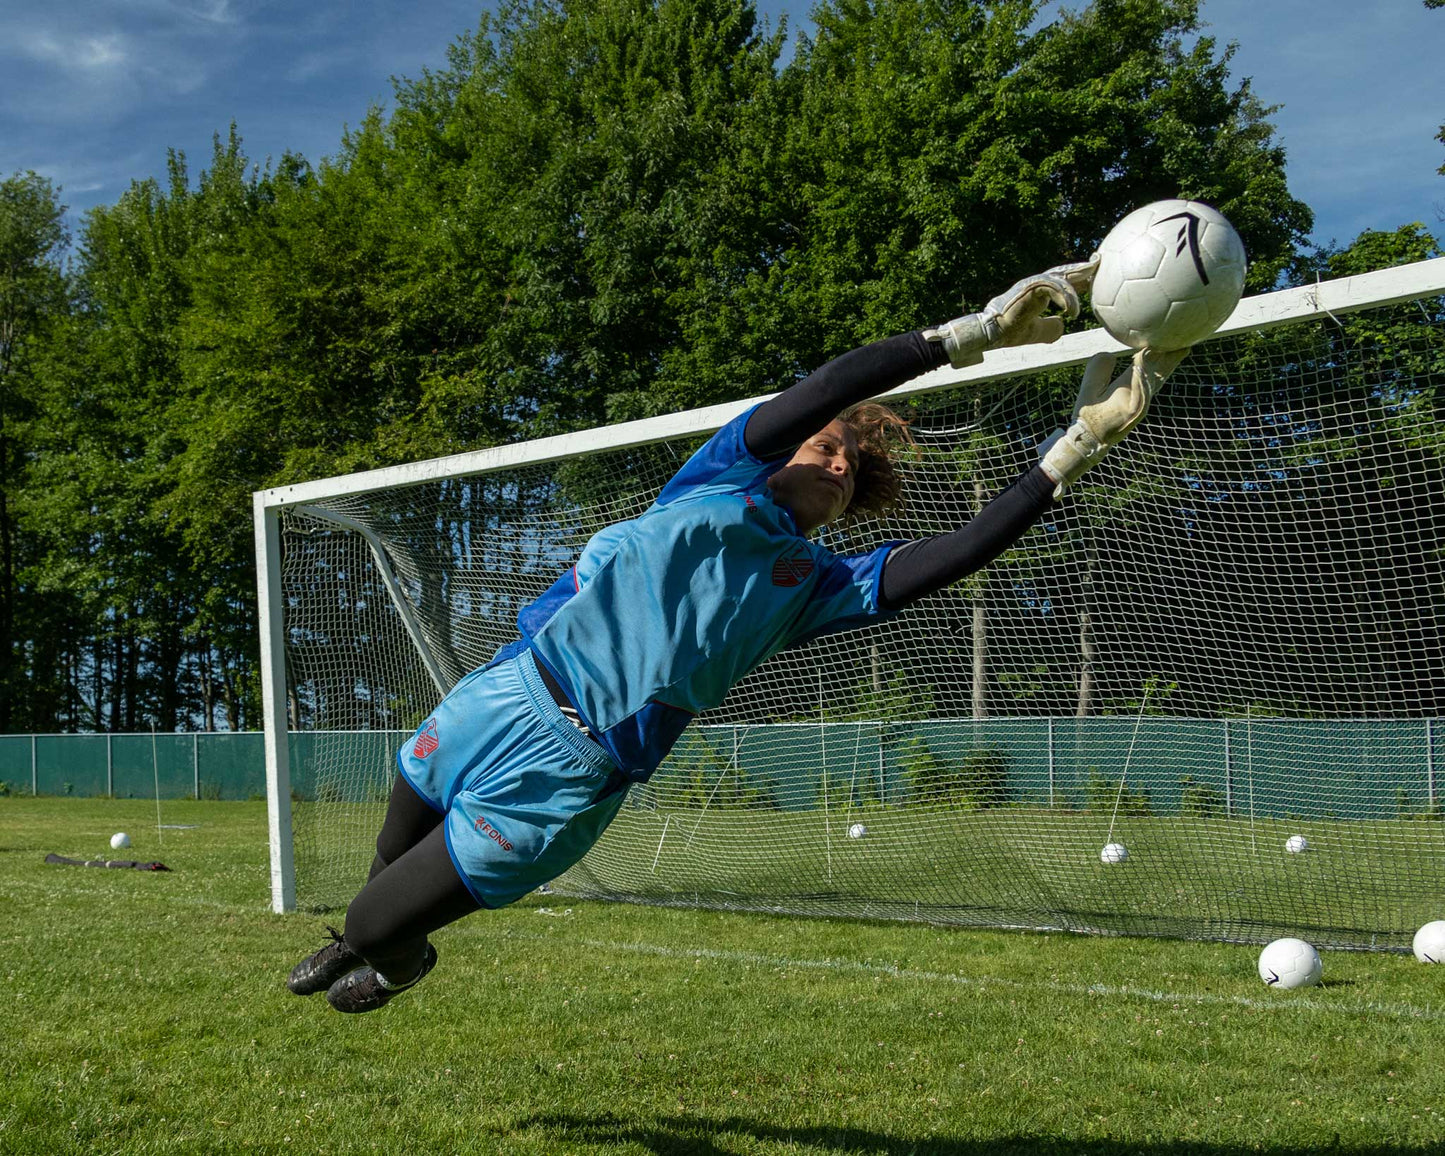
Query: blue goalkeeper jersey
{"points": [[663, 614]]}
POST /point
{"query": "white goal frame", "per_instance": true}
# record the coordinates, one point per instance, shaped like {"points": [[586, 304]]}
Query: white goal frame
{"points": [[1324, 299]]}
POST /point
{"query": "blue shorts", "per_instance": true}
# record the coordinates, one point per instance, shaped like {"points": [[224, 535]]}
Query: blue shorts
{"points": [[524, 793]]}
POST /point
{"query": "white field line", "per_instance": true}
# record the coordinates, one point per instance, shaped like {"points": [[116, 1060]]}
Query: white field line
{"points": [[860, 967]]}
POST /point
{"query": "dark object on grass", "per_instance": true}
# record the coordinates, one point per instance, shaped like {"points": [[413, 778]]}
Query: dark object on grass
{"points": [[139, 866]]}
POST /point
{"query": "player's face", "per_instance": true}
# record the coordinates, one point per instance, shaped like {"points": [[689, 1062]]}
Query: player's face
{"points": [[817, 483]]}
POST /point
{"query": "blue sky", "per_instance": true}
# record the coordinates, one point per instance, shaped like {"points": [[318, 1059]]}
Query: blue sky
{"points": [[93, 92]]}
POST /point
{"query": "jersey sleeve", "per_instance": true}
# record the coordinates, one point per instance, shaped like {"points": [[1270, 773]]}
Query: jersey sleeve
{"points": [[848, 595], [723, 463]]}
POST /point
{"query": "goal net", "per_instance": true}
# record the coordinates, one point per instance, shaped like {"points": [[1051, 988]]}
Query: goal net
{"points": [[1228, 634]]}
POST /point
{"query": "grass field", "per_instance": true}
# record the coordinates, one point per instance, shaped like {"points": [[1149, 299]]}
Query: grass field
{"points": [[147, 1013], [1363, 884]]}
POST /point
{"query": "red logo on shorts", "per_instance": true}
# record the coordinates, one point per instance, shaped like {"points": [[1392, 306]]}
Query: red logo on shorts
{"points": [[493, 834], [793, 567], [427, 741]]}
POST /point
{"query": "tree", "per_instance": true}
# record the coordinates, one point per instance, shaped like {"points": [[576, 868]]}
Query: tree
{"points": [[162, 626], [33, 301], [599, 210], [604, 212], [942, 149], [938, 149]]}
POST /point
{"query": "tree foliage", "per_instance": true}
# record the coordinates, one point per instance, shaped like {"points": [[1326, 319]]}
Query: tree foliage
{"points": [[598, 210]]}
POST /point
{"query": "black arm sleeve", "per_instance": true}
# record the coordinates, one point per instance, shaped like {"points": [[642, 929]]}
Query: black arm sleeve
{"points": [[928, 564], [802, 410]]}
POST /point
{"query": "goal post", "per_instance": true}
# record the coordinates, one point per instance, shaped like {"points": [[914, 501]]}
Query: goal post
{"points": [[1227, 634], [272, 619]]}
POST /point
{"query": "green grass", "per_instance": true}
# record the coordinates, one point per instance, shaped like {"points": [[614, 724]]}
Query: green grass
{"points": [[147, 1013], [1362, 884]]}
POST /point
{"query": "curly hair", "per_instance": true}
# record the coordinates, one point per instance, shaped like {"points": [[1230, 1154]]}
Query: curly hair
{"points": [[879, 433]]}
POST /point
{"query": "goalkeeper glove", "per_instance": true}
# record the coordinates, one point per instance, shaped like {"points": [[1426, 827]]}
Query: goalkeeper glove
{"points": [[1016, 317], [1104, 412]]}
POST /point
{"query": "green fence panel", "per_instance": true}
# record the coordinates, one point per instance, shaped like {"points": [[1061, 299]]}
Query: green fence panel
{"points": [[1019, 748], [344, 766], [1268, 768], [131, 766], [70, 764], [301, 747], [232, 766], [1148, 764], [146, 765], [1327, 770], [15, 762]]}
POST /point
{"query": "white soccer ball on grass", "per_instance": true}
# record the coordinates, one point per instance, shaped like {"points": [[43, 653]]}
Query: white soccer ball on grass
{"points": [[857, 831], [1113, 853], [1169, 275], [1289, 963], [1296, 844], [1429, 942], [118, 840]]}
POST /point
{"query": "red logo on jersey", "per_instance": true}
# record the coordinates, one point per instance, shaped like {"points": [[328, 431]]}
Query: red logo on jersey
{"points": [[427, 741], [793, 567]]}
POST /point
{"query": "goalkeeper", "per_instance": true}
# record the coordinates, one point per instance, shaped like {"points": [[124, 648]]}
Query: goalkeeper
{"points": [[523, 765]]}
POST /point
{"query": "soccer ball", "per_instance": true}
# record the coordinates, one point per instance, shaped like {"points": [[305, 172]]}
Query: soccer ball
{"points": [[857, 831], [1289, 963], [1430, 942], [1169, 275], [118, 840], [1295, 844], [1113, 853]]}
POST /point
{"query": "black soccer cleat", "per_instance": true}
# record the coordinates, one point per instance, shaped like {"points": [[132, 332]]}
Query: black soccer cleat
{"points": [[363, 990], [321, 969]]}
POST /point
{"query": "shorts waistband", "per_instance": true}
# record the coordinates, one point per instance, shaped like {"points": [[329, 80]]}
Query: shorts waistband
{"points": [[559, 696], [590, 752]]}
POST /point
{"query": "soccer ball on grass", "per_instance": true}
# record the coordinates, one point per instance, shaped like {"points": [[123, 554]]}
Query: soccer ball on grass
{"points": [[1113, 853], [1289, 963], [857, 831], [1296, 844], [118, 840], [1169, 275], [1429, 942]]}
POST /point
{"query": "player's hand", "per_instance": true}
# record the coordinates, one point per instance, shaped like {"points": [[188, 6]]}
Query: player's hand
{"points": [[1112, 406], [1018, 316], [1107, 408]]}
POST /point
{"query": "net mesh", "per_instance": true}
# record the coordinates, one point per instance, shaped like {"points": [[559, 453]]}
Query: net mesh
{"points": [[1226, 635]]}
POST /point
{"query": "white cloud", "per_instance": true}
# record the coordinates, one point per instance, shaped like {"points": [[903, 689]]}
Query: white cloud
{"points": [[213, 12], [310, 65], [72, 51], [78, 68], [101, 51]]}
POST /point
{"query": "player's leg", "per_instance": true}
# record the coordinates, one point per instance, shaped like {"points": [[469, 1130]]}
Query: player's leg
{"points": [[527, 841], [388, 923], [527, 795], [409, 819]]}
